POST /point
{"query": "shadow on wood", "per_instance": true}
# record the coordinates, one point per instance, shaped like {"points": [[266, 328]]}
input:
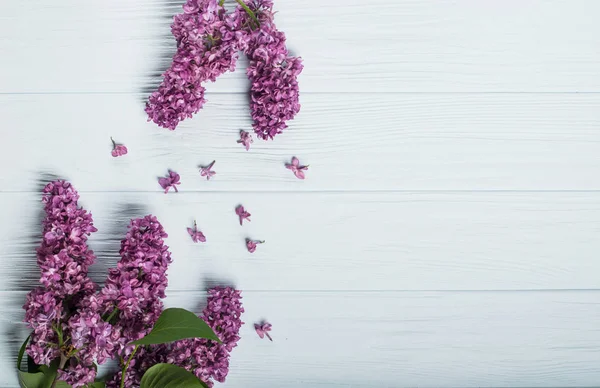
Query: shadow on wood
{"points": [[162, 21], [107, 255]]}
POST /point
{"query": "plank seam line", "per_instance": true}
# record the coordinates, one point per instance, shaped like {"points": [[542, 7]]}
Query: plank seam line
{"points": [[319, 191]]}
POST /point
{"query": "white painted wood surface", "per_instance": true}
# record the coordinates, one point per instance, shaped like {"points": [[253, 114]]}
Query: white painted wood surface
{"points": [[380, 142], [428, 339], [447, 234], [353, 46]]}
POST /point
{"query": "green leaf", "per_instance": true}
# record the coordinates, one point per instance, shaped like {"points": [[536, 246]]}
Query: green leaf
{"points": [[175, 324], [30, 380], [42, 379], [22, 351], [32, 367], [50, 373], [170, 376], [98, 384]]}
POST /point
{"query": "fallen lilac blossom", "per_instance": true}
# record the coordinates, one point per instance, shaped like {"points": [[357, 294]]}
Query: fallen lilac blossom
{"points": [[118, 149], [242, 214], [170, 181], [245, 139], [252, 244], [263, 329], [296, 168], [207, 171], [197, 236]]}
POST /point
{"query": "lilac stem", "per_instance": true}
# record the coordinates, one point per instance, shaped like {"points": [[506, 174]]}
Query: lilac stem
{"points": [[111, 316], [63, 361], [127, 366], [248, 11]]}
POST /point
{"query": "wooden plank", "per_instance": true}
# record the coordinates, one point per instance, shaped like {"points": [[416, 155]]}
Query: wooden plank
{"points": [[349, 46], [387, 339], [382, 143], [334, 241]]}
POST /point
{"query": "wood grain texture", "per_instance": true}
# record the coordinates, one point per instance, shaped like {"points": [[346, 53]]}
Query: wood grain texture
{"points": [[394, 339], [351, 46], [381, 143], [359, 241]]}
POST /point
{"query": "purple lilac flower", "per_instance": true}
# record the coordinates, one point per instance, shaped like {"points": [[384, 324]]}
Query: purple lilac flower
{"points": [[245, 139], [252, 244], [197, 236], [118, 149], [170, 181], [207, 171], [95, 341], [242, 214], [138, 284], [263, 329], [43, 310], [92, 336], [207, 359], [296, 168], [77, 373], [207, 44], [63, 258], [274, 93]]}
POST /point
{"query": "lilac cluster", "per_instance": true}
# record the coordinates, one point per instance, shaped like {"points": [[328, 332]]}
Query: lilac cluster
{"points": [[69, 319], [207, 46], [130, 302], [63, 258], [210, 360], [43, 311], [274, 94], [207, 359], [81, 327], [133, 291], [91, 339], [208, 40]]}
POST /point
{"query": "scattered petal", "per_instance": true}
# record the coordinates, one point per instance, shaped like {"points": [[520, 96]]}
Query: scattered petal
{"points": [[263, 329], [197, 236], [252, 244], [245, 139], [171, 181], [207, 171], [242, 214], [118, 149], [296, 168]]}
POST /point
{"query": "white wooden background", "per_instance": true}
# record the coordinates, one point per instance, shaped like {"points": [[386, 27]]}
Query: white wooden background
{"points": [[447, 233]]}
